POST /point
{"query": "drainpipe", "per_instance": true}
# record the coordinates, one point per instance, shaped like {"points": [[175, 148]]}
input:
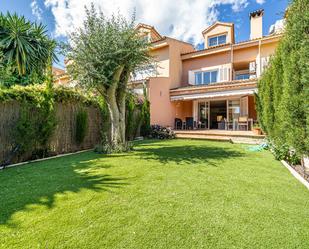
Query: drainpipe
{"points": [[260, 68], [232, 59]]}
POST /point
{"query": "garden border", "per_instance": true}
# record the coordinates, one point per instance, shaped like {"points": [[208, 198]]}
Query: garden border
{"points": [[295, 174], [43, 159]]}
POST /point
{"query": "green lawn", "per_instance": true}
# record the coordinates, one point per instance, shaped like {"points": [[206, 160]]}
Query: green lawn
{"points": [[165, 194]]}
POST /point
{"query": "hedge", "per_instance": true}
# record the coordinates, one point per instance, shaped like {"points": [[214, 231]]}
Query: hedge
{"points": [[283, 99]]}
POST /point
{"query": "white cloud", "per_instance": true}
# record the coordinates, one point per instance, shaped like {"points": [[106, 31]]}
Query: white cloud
{"points": [[260, 1], [181, 19], [36, 10], [277, 27]]}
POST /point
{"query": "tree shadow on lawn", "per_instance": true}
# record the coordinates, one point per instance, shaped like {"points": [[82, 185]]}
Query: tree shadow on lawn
{"points": [[188, 154], [40, 182]]}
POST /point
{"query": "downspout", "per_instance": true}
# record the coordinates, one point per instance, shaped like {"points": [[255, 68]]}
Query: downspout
{"points": [[260, 68], [232, 60]]}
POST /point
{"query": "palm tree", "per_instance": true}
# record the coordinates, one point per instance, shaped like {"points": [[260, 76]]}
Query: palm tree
{"points": [[25, 45]]}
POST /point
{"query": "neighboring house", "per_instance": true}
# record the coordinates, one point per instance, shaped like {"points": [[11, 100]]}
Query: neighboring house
{"points": [[210, 85], [61, 78]]}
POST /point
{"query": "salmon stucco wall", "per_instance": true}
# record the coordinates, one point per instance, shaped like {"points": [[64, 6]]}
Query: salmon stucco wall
{"points": [[202, 62], [162, 110], [184, 109], [162, 58], [176, 49], [268, 49]]}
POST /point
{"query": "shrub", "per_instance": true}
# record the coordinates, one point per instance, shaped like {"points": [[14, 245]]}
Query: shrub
{"points": [[106, 148], [36, 125], [81, 126], [160, 132], [284, 87]]}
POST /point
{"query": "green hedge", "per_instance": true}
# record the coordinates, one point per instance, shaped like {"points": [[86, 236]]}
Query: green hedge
{"points": [[35, 93], [37, 120], [283, 99]]}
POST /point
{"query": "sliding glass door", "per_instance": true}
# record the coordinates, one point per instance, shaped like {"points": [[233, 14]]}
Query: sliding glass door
{"points": [[233, 109], [203, 115]]}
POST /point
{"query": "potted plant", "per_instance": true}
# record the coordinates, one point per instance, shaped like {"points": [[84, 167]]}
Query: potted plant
{"points": [[257, 129]]}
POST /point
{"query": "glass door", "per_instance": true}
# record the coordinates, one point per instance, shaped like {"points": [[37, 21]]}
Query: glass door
{"points": [[234, 109], [203, 115]]}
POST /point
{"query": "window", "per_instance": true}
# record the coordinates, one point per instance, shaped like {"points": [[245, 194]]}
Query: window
{"points": [[217, 40], [242, 77], [204, 78], [198, 78]]}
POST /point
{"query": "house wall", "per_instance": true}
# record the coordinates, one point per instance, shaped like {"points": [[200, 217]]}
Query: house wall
{"points": [[176, 69], [202, 62], [184, 109], [162, 58], [245, 54], [162, 110], [268, 49]]}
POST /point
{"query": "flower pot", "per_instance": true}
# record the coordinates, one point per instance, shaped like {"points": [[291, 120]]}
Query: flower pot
{"points": [[257, 131]]}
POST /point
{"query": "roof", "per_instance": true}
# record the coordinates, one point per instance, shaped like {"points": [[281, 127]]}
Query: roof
{"points": [[57, 71], [235, 44], [152, 28], [217, 23]]}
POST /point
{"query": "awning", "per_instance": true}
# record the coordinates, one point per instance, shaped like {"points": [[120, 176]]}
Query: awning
{"points": [[210, 95]]}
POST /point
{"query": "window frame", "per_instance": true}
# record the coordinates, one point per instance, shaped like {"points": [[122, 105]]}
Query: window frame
{"points": [[202, 73], [217, 40]]}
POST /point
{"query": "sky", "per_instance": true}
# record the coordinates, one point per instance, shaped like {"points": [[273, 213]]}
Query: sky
{"points": [[180, 19]]}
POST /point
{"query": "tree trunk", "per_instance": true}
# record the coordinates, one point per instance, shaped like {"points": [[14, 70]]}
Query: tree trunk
{"points": [[116, 108]]}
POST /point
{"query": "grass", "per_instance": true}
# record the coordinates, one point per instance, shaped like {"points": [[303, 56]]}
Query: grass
{"points": [[165, 194]]}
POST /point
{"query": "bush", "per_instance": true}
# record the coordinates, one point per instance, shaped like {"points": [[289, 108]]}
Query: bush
{"points": [[160, 132], [36, 125], [284, 152], [284, 87], [81, 126], [106, 148]]}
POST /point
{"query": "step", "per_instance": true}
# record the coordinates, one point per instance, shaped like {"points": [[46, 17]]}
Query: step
{"points": [[205, 137], [236, 140], [205, 133]]}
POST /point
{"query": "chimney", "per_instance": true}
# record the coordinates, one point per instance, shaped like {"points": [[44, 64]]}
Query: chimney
{"points": [[256, 24]]}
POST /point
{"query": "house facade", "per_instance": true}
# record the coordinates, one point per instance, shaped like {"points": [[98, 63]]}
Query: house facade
{"points": [[211, 88]]}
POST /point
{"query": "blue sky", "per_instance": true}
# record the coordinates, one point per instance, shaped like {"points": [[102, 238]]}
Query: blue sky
{"points": [[184, 21]]}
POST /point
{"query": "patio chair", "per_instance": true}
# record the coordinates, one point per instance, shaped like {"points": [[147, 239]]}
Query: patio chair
{"points": [[229, 125], [202, 124], [178, 124], [189, 123], [243, 122]]}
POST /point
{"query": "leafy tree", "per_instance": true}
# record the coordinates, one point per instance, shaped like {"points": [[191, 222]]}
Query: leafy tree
{"points": [[26, 48], [284, 88], [105, 52]]}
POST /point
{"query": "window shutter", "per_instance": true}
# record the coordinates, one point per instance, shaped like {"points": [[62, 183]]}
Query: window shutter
{"points": [[223, 72], [191, 79]]}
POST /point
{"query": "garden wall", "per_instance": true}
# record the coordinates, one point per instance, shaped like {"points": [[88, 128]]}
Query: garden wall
{"points": [[63, 139]]}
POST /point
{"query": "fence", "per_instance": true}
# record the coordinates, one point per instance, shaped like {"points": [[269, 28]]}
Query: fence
{"points": [[63, 139]]}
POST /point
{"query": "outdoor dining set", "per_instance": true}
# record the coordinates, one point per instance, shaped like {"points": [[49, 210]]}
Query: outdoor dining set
{"points": [[241, 123]]}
